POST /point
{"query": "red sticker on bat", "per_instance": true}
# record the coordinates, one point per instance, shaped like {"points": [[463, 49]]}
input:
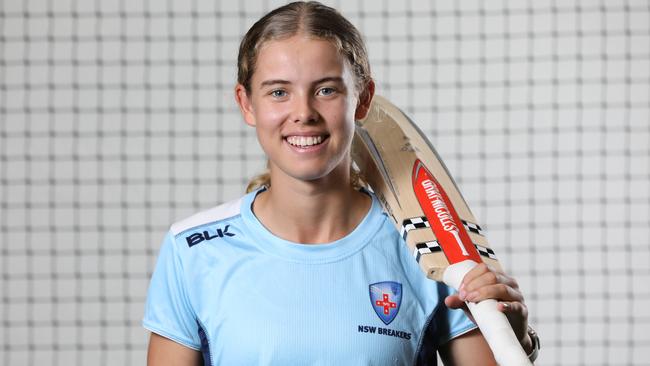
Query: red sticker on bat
{"points": [[442, 217]]}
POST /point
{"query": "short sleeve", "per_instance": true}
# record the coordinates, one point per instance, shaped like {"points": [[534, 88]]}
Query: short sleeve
{"points": [[168, 311], [450, 323]]}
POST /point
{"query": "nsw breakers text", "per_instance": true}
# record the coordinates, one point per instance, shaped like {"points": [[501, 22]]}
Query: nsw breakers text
{"points": [[384, 331]]}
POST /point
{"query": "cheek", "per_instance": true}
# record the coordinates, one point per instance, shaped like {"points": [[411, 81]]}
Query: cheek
{"points": [[348, 114], [345, 124], [270, 118], [343, 111]]}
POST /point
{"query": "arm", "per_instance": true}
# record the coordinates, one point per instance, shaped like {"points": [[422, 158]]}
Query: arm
{"points": [[165, 352], [168, 312], [468, 349]]}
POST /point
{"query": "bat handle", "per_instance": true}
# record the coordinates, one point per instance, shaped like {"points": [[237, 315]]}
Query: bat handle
{"points": [[493, 324]]}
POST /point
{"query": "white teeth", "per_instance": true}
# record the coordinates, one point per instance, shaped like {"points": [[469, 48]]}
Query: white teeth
{"points": [[303, 141]]}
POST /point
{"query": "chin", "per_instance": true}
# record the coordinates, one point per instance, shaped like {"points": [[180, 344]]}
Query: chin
{"points": [[313, 171], [311, 175]]}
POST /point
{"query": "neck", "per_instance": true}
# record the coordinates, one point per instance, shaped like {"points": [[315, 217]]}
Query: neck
{"points": [[313, 212]]}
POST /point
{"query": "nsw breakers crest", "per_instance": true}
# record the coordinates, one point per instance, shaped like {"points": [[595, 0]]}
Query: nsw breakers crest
{"points": [[386, 298]]}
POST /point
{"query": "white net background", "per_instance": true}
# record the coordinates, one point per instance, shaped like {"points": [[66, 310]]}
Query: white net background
{"points": [[117, 118]]}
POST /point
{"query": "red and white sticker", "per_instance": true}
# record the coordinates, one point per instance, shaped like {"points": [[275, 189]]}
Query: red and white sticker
{"points": [[442, 217]]}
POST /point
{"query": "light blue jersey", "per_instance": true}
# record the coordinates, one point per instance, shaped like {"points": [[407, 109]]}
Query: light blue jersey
{"points": [[228, 287]]}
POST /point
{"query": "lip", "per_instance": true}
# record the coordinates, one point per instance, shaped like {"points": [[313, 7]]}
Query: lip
{"points": [[305, 134]]}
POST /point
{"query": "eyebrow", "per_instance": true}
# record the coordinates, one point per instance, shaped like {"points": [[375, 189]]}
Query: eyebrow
{"points": [[336, 79], [273, 82]]}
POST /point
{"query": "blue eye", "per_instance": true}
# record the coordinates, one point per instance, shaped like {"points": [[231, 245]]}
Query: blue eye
{"points": [[278, 93], [326, 91]]}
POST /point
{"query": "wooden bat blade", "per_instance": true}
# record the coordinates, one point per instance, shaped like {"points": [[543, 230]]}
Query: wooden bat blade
{"points": [[417, 191], [410, 179]]}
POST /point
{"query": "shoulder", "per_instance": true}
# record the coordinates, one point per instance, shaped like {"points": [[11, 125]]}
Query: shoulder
{"points": [[223, 212]]}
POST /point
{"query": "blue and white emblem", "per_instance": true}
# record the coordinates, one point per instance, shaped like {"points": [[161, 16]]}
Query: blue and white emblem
{"points": [[386, 298]]}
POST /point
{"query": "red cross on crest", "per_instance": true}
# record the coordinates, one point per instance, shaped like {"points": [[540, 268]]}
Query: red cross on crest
{"points": [[386, 304]]}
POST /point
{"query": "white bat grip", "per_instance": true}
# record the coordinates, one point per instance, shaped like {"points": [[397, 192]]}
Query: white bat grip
{"points": [[493, 324]]}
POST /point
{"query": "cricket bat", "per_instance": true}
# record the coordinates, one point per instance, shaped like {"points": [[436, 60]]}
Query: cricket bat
{"points": [[416, 190]]}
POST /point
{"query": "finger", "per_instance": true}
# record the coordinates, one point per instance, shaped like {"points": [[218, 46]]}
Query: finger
{"points": [[482, 270], [469, 290], [517, 314], [477, 271], [510, 281], [513, 307], [454, 302], [499, 291], [485, 279], [489, 278]]}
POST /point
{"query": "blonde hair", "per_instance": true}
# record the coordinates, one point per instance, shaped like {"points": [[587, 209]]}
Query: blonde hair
{"points": [[313, 19]]}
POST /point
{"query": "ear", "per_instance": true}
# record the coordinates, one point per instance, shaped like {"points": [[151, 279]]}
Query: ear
{"points": [[245, 105], [365, 98]]}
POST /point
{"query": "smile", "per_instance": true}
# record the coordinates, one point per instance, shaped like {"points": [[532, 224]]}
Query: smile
{"points": [[305, 141]]}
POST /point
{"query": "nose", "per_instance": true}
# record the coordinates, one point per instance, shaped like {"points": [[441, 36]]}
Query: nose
{"points": [[303, 110]]}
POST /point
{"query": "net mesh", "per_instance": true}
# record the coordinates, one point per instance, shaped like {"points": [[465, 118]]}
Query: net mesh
{"points": [[117, 119]]}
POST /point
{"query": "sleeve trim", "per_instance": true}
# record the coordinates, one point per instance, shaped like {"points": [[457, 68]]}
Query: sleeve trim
{"points": [[219, 213], [161, 332]]}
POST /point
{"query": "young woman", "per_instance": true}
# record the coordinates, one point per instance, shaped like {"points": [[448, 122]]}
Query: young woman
{"points": [[306, 268]]}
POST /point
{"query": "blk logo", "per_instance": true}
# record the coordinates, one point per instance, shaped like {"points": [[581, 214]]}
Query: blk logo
{"points": [[386, 298], [197, 238]]}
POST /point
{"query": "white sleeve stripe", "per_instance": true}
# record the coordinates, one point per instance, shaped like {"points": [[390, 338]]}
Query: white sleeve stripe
{"points": [[218, 213]]}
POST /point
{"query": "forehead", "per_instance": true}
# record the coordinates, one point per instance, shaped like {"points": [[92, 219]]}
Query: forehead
{"points": [[299, 56], [299, 39]]}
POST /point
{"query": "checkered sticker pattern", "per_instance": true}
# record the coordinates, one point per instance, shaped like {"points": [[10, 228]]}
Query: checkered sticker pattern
{"points": [[426, 248], [486, 252], [413, 223], [475, 228]]}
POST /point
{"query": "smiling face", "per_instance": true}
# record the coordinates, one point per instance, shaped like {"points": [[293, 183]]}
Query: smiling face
{"points": [[302, 102]]}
